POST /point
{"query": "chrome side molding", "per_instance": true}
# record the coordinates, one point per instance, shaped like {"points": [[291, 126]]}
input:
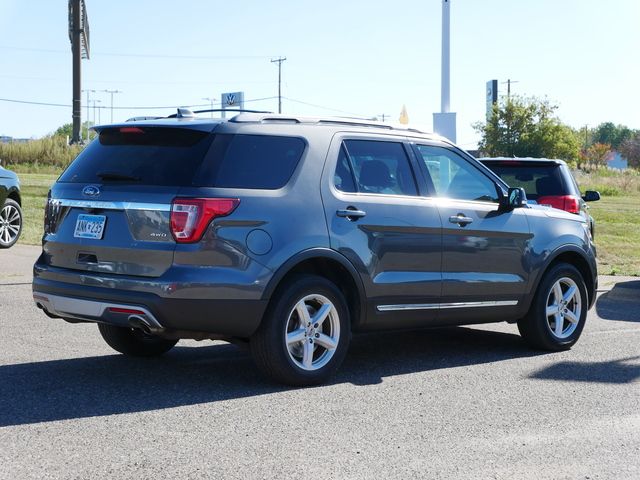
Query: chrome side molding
{"points": [[437, 306]]}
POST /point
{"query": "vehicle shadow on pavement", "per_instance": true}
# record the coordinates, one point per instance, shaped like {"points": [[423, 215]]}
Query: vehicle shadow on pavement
{"points": [[115, 384], [620, 371], [622, 302]]}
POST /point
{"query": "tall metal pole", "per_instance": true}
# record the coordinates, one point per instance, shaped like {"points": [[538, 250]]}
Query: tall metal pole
{"points": [[279, 62], [77, 65], [88, 101], [112, 92], [445, 80], [210, 100]]}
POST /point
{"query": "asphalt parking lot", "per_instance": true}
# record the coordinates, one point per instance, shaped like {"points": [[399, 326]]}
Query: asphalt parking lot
{"points": [[464, 403]]}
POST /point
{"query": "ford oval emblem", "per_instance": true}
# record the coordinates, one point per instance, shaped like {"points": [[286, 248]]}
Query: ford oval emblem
{"points": [[91, 191]]}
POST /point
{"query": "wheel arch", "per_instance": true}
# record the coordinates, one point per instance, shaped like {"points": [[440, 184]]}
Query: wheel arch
{"points": [[331, 265], [572, 255], [15, 196]]}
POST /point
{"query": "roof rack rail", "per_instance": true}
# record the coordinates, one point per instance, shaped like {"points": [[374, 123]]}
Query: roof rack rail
{"points": [[186, 113], [354, 122], [231, 111]]}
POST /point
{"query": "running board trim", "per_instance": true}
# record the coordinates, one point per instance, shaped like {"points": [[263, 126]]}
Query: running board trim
{"points": [[442, 306]]}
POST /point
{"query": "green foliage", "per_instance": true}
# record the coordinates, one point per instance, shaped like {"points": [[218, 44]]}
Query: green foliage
{"points": [[48, 151], [527, 127], [66, 130], [611, 134]]}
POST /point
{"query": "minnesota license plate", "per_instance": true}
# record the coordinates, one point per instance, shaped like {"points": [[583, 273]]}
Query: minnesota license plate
{"points": [[90, 226]]}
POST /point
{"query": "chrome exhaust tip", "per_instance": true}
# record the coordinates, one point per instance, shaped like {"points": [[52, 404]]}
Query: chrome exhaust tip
{"points": [[136, 321]]}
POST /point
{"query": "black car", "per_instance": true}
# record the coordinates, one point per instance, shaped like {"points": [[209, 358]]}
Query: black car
{"points": [[546, 182], [289, 233], [10, 208]]}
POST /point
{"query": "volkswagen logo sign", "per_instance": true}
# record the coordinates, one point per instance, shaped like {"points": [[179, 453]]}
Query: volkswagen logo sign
{"points": [[91, 191]]}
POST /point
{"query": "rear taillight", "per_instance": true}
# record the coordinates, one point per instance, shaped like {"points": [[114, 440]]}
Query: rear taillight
{"points": [[568, 203], [190, 217]]}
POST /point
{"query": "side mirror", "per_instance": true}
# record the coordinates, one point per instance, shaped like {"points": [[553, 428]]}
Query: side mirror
{"points": [[515, 198], [591, 196]]}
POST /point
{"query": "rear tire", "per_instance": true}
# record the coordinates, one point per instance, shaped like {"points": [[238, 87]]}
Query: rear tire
{"points": [[10, 223], [558, 312], [134, 342], [305, 333]]}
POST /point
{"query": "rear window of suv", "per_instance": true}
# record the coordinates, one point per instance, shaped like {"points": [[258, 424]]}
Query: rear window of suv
{"points": [[537, 179], [186, 157], [141, 155]]}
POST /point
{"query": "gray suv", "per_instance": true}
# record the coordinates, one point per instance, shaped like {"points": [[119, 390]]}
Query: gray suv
{"points": [[290, 233]]}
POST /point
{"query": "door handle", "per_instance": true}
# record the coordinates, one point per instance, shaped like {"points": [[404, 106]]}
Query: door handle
{"points": [[460, 219], [351, 213]]}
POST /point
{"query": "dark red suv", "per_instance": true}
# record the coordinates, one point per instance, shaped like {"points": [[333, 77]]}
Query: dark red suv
{"points": [[546, 182]]}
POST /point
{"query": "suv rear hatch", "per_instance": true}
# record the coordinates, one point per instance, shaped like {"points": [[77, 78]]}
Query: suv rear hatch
{"points": [[542, 181], [110, 211]]}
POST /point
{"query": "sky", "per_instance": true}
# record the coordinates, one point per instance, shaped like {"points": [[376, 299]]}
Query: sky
{"points": [[344, 58]]}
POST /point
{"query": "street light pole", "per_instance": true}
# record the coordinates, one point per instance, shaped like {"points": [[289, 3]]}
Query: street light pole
{"points": [[94, 109], [210, 100], [88, 91], [112, 92]]}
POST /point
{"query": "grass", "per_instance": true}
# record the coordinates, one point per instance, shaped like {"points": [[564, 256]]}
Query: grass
{"points": [[617, 216], [34, 188], [51, 153]]}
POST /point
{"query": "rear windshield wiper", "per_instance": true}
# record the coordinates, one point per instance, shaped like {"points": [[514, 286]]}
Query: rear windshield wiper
{"points": [[117, 176]]}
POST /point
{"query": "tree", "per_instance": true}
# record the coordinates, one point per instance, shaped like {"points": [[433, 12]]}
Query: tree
{"points": [[527, 127], [612, 134], [630, 149], [596, 155], [66, 130]]}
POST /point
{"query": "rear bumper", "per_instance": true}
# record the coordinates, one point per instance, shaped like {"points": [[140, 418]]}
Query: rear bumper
{"points": [[84, 302]]}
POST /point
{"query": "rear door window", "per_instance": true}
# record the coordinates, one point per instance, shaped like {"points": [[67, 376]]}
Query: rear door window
{"points": [[250, 161], [376, 166], [140, 155]]}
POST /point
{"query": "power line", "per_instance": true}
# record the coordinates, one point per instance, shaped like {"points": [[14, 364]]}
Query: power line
{"points": [[150, 107], [143, 55], [326, 108]]}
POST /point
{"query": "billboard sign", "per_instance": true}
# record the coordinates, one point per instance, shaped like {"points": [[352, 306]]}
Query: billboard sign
{"points": [[492, 96]]}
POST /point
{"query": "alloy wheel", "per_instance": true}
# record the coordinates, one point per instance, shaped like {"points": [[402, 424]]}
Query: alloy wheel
{"points": [[9, 224], [313, 332], [564, 306]]}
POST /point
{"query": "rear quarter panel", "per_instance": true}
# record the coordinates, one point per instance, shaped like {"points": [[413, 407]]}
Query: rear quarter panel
{"points": [[555, 232]]}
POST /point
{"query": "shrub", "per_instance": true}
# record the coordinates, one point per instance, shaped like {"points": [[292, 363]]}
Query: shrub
{"points": [[49, 151]]}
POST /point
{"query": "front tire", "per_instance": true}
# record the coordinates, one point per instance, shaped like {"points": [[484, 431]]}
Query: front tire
{"points": [[134, 342], [558, 312], [305, 333], [10, 223]]}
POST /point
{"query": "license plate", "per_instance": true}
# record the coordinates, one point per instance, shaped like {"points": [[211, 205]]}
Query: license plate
{"points": [[90, 226]]}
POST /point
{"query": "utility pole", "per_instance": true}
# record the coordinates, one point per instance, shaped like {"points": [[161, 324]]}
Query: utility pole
{"points": [[111, 92], [509, 82], [77, 66], [79, 37], [210, 100], [279, 61], [586, 137]]}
